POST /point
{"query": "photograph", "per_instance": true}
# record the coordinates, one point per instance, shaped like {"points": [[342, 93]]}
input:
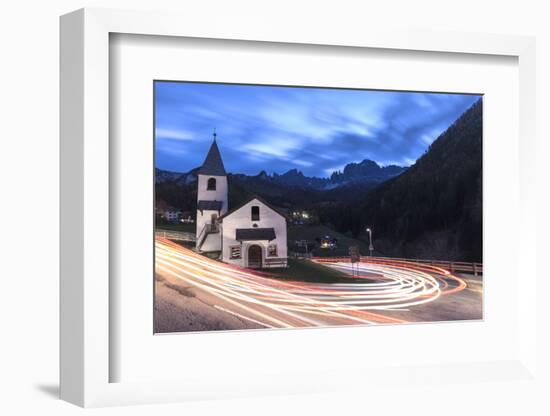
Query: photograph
{"points": [[300, 207]]}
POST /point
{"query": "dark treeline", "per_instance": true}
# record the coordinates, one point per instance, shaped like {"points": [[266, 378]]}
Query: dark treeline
{"points": [[434, 209]]}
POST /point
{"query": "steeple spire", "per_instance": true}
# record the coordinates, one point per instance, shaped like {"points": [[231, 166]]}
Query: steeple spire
{"points": [[213, 164]]}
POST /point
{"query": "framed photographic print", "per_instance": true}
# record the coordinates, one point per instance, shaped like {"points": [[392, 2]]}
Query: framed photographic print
{"points": [[274, 212], [248, 216]]}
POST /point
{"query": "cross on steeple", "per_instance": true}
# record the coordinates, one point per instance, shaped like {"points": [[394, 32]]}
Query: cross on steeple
{"points": [[215, 135]]}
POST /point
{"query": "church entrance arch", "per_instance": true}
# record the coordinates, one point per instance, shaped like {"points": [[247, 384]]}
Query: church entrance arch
{"points": [[255, 256]]}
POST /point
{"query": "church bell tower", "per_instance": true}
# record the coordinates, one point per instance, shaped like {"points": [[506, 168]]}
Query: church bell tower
{"points": [[212, 200]]}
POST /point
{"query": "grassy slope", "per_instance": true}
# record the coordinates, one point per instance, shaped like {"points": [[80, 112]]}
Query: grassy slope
{"points": [[308, 271]]}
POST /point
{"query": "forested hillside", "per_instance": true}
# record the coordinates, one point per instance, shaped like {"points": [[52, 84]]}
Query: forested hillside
{"points": [[434, 209]]}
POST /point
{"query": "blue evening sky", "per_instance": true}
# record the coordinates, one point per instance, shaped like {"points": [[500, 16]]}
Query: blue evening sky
{"points": [[314, 130]]}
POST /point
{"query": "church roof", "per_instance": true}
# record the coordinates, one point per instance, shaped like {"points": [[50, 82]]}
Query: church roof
{"points": [[255, 197], [213, 164], [254, 234], [209, 205]]}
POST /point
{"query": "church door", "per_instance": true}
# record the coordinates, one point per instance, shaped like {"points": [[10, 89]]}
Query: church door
{"points": [[214, 223], [255, 256]]}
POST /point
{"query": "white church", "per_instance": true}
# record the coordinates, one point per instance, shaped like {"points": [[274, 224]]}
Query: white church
{"points": [[251, 235]]}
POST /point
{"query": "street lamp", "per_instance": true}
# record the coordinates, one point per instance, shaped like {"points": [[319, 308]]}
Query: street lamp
{"points": [[371, 247]]}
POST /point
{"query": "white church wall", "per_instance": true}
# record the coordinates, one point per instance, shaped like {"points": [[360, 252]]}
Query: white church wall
{"points": [[241, 218], [220, 194]]}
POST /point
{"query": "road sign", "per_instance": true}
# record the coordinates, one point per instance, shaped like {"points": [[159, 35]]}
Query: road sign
{"points": [[354, 254]]}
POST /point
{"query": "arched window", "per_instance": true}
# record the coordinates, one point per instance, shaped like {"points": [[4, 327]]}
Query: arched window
{"points": [[255, 213], [211, 186]]}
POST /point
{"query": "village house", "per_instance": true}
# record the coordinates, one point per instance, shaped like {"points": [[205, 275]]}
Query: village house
{"points": [[168, 213], [253, 234]]}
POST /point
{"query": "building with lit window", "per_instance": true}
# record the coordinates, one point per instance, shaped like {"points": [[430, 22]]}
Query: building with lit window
{"points": [[172, 215]]}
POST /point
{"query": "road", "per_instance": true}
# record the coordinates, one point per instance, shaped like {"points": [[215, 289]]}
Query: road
{"points": [[394, 293]]}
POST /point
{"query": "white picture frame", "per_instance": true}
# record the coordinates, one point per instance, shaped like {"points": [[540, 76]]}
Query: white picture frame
{"points": [[85, 220]]}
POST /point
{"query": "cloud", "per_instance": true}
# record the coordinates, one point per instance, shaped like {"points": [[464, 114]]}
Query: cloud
{"points": [[278, 147], [302, 162], [316, 130], [172, 134]]}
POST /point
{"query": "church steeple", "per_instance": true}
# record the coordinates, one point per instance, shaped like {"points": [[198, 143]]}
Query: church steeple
{"points": [[213, 164], [212, 199]]}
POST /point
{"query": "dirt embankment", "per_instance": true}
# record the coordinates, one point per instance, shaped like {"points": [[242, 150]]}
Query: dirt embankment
{"points": [[182, 308]]}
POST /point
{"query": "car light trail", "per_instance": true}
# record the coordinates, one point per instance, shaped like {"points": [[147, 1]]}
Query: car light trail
{"points": [[253, 295]]}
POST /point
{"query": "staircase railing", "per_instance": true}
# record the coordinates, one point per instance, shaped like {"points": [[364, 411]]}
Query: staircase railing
{"points": [[206, 230]]}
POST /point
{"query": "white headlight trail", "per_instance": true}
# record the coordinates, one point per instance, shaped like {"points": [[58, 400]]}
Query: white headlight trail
{"points": [[389, 286]]}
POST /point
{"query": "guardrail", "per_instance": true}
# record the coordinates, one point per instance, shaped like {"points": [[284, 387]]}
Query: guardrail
{"points": [[175, 235], [452, 266]]}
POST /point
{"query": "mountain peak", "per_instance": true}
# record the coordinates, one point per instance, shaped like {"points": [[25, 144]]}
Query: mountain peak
{"points": [[293, 172], [368, 162], [366, 171]]}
